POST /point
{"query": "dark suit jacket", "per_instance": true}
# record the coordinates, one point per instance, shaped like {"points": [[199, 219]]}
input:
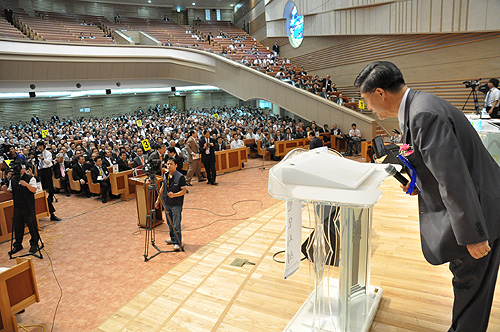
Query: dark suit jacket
{"points": [[138, 162], [211, 155], [57, 169], [458, 178], [94, 173], [220, 147], [315, 143], [327, 84], [122, 165], [106, 163], [79, 172]]}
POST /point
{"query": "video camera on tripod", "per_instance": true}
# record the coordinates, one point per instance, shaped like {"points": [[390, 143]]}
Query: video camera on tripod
{"points": [[472, 83], [152, 166]]}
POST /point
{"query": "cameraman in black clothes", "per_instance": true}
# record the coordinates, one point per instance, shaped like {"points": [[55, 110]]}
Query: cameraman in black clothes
{"points": [[23, 188]]}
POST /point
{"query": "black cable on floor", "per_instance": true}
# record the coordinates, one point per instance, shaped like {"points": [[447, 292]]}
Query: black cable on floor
{"points": [[283, 262], [138, 232], [60, 289]]}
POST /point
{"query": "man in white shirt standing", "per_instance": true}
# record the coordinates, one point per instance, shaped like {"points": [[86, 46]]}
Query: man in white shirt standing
{"points": [[492, 100], [45, 174]]}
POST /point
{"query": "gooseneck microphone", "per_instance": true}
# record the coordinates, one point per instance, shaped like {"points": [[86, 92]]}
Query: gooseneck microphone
{"points": [[391, 170]]}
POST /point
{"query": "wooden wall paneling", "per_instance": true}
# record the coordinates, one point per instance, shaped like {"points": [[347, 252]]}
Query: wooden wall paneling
{"points": [[64, 111]]}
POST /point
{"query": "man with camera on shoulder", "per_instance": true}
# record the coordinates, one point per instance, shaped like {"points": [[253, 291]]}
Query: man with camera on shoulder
{"points": [[23, 189]]}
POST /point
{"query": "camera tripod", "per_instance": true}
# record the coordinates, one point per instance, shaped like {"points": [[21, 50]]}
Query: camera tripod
{"points": [[473, 93], [40, 247], [150, 236]]}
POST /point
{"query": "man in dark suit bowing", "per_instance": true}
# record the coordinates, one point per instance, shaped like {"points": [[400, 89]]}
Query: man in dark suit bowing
{"points": [[315, 142], [458, 188], [207, 150]]}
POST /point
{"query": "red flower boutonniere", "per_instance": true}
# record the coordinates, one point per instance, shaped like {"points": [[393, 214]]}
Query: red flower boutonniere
{"points": [[405, 150]]}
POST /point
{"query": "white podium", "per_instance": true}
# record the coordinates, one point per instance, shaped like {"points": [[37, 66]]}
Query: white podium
{"points": [[341, 193]]}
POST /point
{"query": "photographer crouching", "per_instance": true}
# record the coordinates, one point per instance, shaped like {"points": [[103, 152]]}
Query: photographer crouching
{"points": [[45, 175], [23, 189]]}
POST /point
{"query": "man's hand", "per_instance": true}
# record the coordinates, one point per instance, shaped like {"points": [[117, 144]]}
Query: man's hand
{"points": [[23, 183], [405, 189], [82, 181], [157, 203], [479, 250], [171, 194]]}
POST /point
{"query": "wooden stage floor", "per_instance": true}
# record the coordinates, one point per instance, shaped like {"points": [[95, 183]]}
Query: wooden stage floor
{"points": [[205, 293]]}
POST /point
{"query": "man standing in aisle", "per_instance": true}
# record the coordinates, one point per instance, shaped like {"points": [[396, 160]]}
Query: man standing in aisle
{"points": [[458, 188], [193, 158], [172, 193], [45, 175], [207, 148]]}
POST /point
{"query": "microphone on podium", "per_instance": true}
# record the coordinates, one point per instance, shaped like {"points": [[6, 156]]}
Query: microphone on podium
{"points": [[391, 170]]}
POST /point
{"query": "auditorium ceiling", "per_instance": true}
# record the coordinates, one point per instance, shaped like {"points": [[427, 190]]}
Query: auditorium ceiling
{"points": [[212, 4], [41, 86]]}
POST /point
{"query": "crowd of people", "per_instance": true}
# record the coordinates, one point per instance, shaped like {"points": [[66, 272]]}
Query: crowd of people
{"points": [[188, 136]]}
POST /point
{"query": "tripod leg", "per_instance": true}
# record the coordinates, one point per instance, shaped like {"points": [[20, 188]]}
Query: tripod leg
{"points": [[171, 224], [11, 240]]}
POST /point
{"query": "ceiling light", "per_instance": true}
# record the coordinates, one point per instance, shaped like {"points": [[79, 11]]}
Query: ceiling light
{"points": [[194, 3], [232, 5], [149, 1], [178, 9]]}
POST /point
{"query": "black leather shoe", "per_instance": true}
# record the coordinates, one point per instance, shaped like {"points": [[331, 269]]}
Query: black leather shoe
{"points": [[68, 194], [15, 250], [54, 218], [189, 185], [89, 195], [201, 180], [34, 248], [214, 183], [209, 182], [104, 200]]}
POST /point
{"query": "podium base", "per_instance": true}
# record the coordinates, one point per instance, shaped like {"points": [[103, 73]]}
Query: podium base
{"points": [[362, 310]]}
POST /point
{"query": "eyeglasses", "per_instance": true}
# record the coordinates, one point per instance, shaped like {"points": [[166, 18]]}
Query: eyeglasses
{"points": [[365, 100]]}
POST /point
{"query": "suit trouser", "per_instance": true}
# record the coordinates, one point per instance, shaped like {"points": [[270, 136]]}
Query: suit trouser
{"points": [[209, 164], [45, 175], [21, 217], [104, 189], [65, 184], [494, 114], [474, 285], [194, 168]]}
